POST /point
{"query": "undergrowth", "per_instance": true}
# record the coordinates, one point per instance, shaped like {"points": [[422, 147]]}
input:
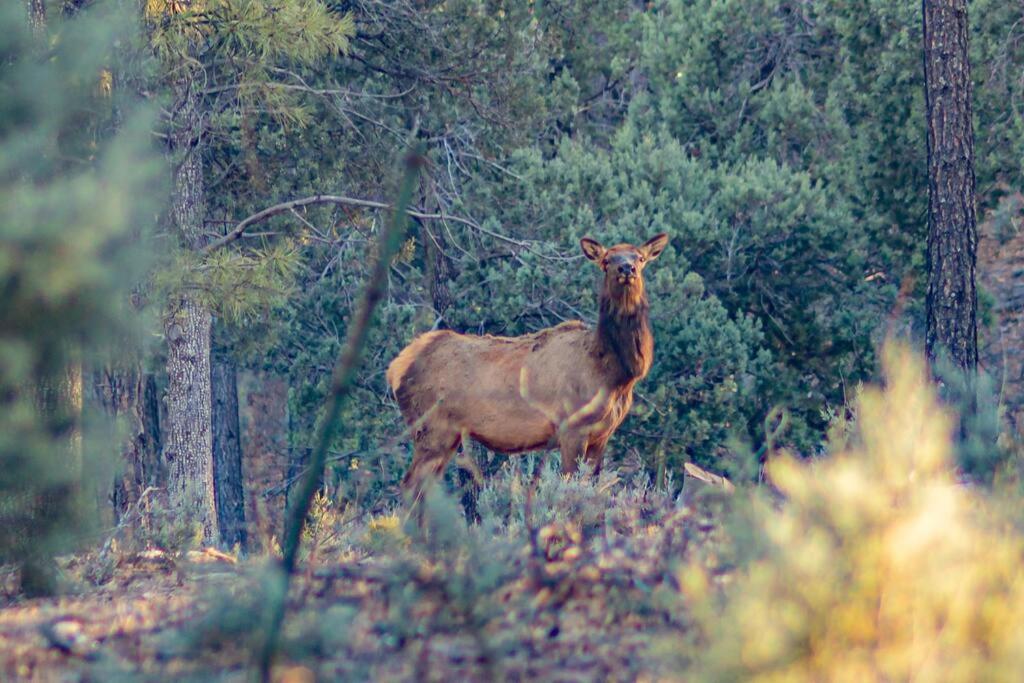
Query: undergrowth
{"points": [[878, 561]]}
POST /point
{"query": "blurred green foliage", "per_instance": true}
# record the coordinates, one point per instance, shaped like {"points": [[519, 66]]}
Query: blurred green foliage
{"points": [[77, 187]]}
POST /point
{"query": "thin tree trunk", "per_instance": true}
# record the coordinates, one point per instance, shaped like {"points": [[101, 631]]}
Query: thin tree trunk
{"points": [[125, 393], [37, 16], [227, 453], [265, 427], [154, 469], [297, 455], [188, 446], [952, 228], [438, 272]]}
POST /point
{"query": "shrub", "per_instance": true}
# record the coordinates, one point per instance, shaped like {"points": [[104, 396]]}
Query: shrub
{"points": [[878, 564]]}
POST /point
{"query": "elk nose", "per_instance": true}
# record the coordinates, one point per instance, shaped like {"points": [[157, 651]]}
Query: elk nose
{"points": [[627, 269]]}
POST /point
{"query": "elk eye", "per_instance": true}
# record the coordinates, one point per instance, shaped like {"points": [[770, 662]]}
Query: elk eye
{"points": [[642, 258]]}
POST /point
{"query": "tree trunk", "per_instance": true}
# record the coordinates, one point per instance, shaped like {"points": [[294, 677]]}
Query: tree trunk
{"points": [[952, 229], [227, 453], [37, 16], [33, 524], [59, 400], [154, 467], [265, 445], [188, 447], [438, 272], [125, 393]]}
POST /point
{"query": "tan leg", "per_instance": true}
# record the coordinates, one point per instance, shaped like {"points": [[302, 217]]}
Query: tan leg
{"points": [[595, 456], [432, 451]]}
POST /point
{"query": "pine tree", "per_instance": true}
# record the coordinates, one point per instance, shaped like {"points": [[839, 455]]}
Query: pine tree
{"points": [[217, 60], [952, 224], [227, 452]]}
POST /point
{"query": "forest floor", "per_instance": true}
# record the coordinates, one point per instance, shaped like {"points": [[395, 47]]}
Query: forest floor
{"points": [[558, 602]]}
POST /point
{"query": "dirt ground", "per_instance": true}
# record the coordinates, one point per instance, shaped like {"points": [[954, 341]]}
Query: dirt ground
{"points": [[574, 612]]}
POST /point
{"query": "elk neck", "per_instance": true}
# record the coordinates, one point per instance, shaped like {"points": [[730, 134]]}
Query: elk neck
{"points": [[624, 331]]}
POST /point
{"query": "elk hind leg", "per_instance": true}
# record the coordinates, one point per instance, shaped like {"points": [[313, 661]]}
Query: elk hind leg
{"points": [[595, 456], [432, 449], [469, 477], [573, 447]]}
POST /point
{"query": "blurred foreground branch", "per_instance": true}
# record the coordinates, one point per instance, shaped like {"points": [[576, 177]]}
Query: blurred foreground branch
{"points": [[341, 381]]}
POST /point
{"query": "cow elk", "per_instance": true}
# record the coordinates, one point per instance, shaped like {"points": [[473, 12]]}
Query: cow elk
{"points": [[568, 386]]}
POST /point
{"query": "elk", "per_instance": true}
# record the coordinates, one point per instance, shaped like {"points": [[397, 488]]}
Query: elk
{"points": [[567, 386]]}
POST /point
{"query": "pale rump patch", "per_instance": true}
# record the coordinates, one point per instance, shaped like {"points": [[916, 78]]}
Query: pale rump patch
{"points": [[398, 367]]}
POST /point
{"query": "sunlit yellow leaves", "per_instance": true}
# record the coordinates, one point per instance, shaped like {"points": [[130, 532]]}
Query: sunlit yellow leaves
{"points": [[385, 523], [158, 9], [384, 532], [105, 86], [407, 252], [879, 564], [693, 582]]}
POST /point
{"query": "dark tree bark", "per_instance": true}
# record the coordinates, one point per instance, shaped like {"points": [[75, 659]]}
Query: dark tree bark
{"points": [[155, 469], [34, 528], [229, 486], [126, 393], [438, 271], [59, 401], [188, 444], [952, 226], [265, 425]]}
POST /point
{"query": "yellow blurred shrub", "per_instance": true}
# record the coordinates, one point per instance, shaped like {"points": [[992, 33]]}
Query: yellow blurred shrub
{"points": [[877, 564]]}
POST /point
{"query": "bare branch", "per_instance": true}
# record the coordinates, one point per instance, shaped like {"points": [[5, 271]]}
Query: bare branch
{"points": [[284, 207]]}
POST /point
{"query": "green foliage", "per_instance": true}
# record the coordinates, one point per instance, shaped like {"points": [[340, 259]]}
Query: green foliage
{"points": [[237, 59], [978, 451], [576, 500], [257, 33], [779, 143], [73, 189], [241, 287]]}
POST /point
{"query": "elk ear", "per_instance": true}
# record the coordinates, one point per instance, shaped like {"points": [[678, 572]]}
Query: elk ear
{"points": [[592, 249], [653, 247]]}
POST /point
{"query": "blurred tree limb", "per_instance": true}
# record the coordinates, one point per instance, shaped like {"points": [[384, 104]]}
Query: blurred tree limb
{"points": [[344, 372]]}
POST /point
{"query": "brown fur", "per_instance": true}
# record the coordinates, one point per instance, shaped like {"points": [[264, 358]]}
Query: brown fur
{"points": [[567, 386]]}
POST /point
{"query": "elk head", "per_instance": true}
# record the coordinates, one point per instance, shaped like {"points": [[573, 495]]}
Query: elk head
{"points": [[623, 267]]}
